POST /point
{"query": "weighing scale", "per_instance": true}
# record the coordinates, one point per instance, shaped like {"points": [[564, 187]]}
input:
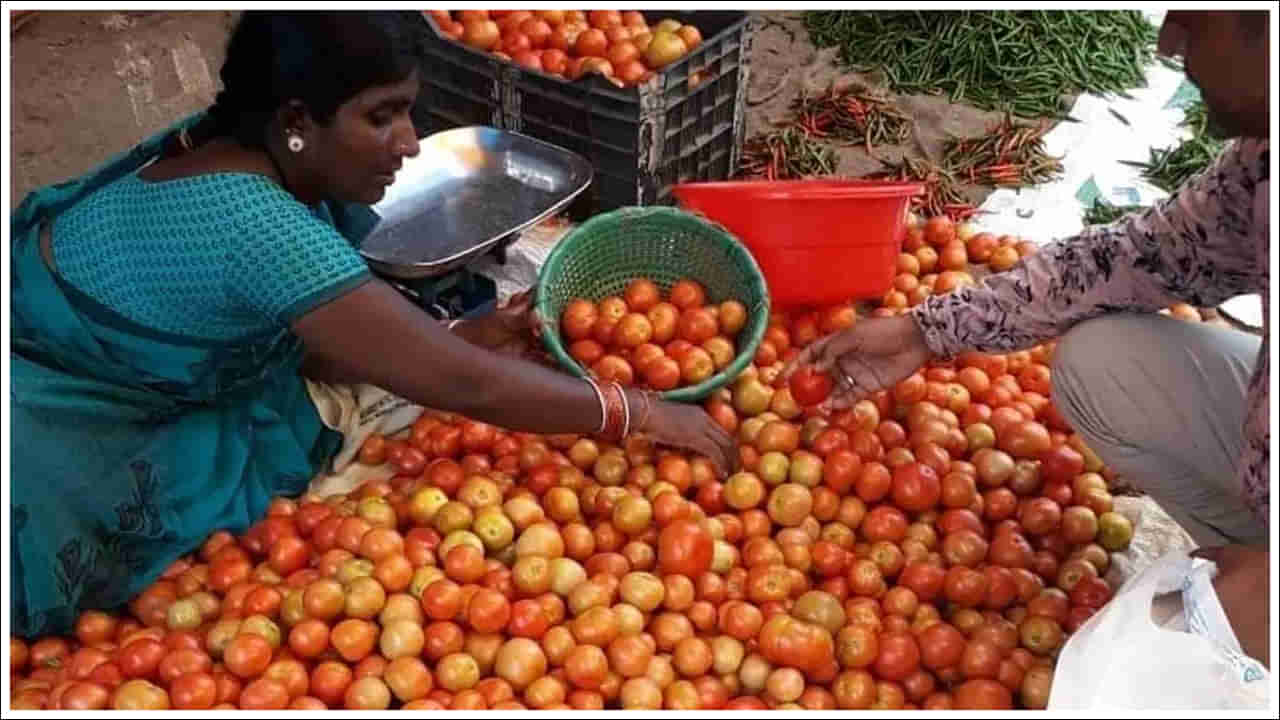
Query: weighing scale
{"points": [[468, 193]]}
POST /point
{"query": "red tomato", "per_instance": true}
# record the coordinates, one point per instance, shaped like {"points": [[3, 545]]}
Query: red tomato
{"points": [[247, 655], [555, 61], [784, 640], [528, 620], [926, 580], [141, 658], [916, 487], [538, 32], [810, 387], [591, 43], [941, 646], [684, 548], [1061, 464], [899, 656], [1091, 592], [1077, 617], [982, 694], [194, 691]]}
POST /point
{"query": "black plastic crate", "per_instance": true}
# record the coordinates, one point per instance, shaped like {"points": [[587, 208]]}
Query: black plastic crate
{"points": [[640, 140], [460, 86]]}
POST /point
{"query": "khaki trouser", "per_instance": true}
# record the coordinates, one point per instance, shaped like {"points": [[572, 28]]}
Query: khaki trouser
{"points": [[1162, 402]]}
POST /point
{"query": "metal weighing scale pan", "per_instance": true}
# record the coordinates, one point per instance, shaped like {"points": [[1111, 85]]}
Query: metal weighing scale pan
{"points": [[466, 191]]}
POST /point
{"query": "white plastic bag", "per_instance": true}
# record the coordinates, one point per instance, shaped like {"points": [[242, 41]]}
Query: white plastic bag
{"points": [[1120, 659]]}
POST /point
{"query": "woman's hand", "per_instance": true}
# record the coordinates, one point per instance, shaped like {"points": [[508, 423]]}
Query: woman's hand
{"points": [[509, 330], [688, 427], [873, 355]]}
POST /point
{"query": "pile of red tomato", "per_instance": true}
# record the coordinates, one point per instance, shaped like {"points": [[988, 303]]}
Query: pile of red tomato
{"points": [[642, 338], [931, 547], [621, 46], [938, 255]]}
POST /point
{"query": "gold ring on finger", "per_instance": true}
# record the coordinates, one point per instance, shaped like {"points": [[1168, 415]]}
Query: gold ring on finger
{"points": [[846, 381]]}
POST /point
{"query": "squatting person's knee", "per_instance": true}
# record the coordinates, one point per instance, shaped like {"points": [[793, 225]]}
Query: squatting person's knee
{"points": [[1086, 353]]}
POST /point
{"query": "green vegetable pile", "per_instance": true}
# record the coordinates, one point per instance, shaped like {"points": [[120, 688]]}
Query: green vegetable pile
{"points": [[1028, 62], [1168, 168], [788, 154], [1010, 155], [1104, 213]]}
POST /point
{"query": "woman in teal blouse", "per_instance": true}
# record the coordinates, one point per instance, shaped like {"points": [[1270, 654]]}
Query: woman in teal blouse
{"points": [[163, 306]]}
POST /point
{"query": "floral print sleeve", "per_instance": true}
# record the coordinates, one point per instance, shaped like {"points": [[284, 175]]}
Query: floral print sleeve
{"points": [[1204, 245]]}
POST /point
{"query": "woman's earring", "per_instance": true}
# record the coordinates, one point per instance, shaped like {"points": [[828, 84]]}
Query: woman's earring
{"points": [[296, 143]]}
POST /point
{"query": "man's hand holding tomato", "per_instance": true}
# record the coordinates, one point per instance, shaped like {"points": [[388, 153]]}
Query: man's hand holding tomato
{"points": [[872, 355]]}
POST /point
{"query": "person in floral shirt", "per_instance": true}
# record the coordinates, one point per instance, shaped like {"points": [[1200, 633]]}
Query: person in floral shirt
{"points": [[1181, 409]]}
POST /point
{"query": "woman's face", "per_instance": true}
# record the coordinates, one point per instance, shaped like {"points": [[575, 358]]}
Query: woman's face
{"points": [[1227, 56], [357, 154]]}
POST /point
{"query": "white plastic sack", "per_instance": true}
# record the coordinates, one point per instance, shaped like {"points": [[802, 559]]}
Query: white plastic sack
{"points": [[358, 411], [1121, 660]]}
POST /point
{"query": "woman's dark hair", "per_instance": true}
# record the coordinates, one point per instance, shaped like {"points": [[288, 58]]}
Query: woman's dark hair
{"points": [[320, 58]]}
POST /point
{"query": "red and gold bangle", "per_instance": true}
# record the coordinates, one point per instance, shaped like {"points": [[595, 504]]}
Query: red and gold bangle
{"points": [[626, 407], [617, 416], [648, 408], [604, 407]]}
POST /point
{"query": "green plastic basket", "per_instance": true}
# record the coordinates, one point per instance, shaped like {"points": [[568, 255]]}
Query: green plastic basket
{"points": [[598, 259]]}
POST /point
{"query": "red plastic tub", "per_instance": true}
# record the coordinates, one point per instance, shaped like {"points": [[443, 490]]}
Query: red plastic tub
{"points": [[818, 242]]}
